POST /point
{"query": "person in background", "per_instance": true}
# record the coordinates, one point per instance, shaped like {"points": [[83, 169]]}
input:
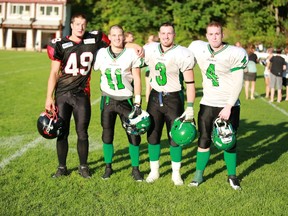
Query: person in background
{"points": [[167, 61], [222, 68], [250, 74], [129, 37], [267, 73], [285, 74], [278, 66], [151, 39], [119, 67], [238, 44], [69, 87]]}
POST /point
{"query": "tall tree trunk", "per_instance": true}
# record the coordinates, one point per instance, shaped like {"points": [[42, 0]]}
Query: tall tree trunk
{"points": [[277, 21]]}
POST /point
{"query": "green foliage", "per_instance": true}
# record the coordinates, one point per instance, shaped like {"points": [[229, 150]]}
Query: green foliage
{"points": [[28, 189], [246, 21]]}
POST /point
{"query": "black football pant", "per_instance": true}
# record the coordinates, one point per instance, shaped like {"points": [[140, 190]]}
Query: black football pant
{"points": [[163, 108], [110, 108], [79, 105]]}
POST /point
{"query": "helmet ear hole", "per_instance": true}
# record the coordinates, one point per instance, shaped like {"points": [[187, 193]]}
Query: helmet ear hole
{"points": [[183, 132], [223, 135], [138, 125]]}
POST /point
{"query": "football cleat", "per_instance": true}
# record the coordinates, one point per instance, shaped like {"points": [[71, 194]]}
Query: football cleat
{"points": [[61, 171], [223, 135], [154, 173], [234, 182], [136, 174], [50, 125], [194, 184], [137, 124], [198, 179], [153, 176], [83, 170], [183, 132], [108, 173], [176, 178]]}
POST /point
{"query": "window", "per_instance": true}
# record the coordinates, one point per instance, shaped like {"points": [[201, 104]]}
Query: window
{"points": [[19, 9], [42, 10], [49, 10]]}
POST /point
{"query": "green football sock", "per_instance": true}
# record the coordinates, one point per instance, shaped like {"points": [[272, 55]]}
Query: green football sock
{"points": [[134, 154], [201, 163], [176, 153], [154, 152], [108, 151], [230, 160], [202, 160]]}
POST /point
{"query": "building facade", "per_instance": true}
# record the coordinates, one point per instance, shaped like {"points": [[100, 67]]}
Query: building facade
{"points": [[30, 24]]}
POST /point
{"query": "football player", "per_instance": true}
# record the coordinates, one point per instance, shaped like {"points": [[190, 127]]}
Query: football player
{"points": [[222, 71], [167, 62], [69, 86], [119, 67]]}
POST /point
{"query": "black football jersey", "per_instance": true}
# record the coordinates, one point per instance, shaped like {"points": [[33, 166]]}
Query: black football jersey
{"points": [[76, 60]]}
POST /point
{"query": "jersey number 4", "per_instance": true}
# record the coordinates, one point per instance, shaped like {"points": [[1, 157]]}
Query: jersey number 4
{"points": [[210, 73]]}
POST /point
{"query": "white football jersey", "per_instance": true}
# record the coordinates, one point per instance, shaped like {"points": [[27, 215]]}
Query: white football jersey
{"points": [[222, 72], [116, 75], [165, 67]]}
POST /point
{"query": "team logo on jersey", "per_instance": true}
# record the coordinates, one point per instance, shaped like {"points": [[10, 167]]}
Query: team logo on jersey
{"points": [[94, 32], [66, 45], [89, 41]]}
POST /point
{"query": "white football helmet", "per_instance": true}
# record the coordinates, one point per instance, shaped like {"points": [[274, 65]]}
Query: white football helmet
{"points": [[223, 134], [139, 124]]}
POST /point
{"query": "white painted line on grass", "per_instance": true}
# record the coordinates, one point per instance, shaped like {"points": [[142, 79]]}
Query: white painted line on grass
{"points": [[96, 101], [32, 144], [20, 152], [271, 104]]}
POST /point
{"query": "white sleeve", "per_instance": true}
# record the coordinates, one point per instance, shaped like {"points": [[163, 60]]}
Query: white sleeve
{"points": [[97, 63], [238, 61]]}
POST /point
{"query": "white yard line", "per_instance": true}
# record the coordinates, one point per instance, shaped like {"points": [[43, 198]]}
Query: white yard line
{"points": [[29, 145], [20, 152], [272, 104]]}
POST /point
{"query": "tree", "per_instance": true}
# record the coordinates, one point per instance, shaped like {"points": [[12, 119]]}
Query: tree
{"points": [[248, 21]]}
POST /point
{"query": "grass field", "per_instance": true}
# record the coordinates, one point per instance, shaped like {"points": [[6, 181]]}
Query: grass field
{"points": [[27, 161]]}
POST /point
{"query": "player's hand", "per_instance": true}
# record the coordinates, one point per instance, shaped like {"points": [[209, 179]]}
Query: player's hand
{"points": [[50, 104], [188, 115], [135, 111], [138, 49]]}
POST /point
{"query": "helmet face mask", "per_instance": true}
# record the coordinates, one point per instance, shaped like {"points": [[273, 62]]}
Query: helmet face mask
{"points": [[49, 125], [183, 132], [223, 135], [138, 125]]}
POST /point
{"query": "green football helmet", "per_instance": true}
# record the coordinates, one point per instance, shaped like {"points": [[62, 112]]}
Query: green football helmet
{"points": [[139, 124], [183, 132], [223, 134]]}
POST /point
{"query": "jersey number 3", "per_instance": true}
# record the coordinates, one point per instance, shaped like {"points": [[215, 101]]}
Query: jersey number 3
{"points": [[162, 79]]}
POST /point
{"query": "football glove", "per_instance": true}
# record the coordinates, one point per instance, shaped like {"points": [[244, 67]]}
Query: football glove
{"points": [[136, 111], [188, 115]]}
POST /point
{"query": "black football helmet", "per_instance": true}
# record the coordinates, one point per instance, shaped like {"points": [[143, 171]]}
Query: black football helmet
{"points": [[50, 125]]}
